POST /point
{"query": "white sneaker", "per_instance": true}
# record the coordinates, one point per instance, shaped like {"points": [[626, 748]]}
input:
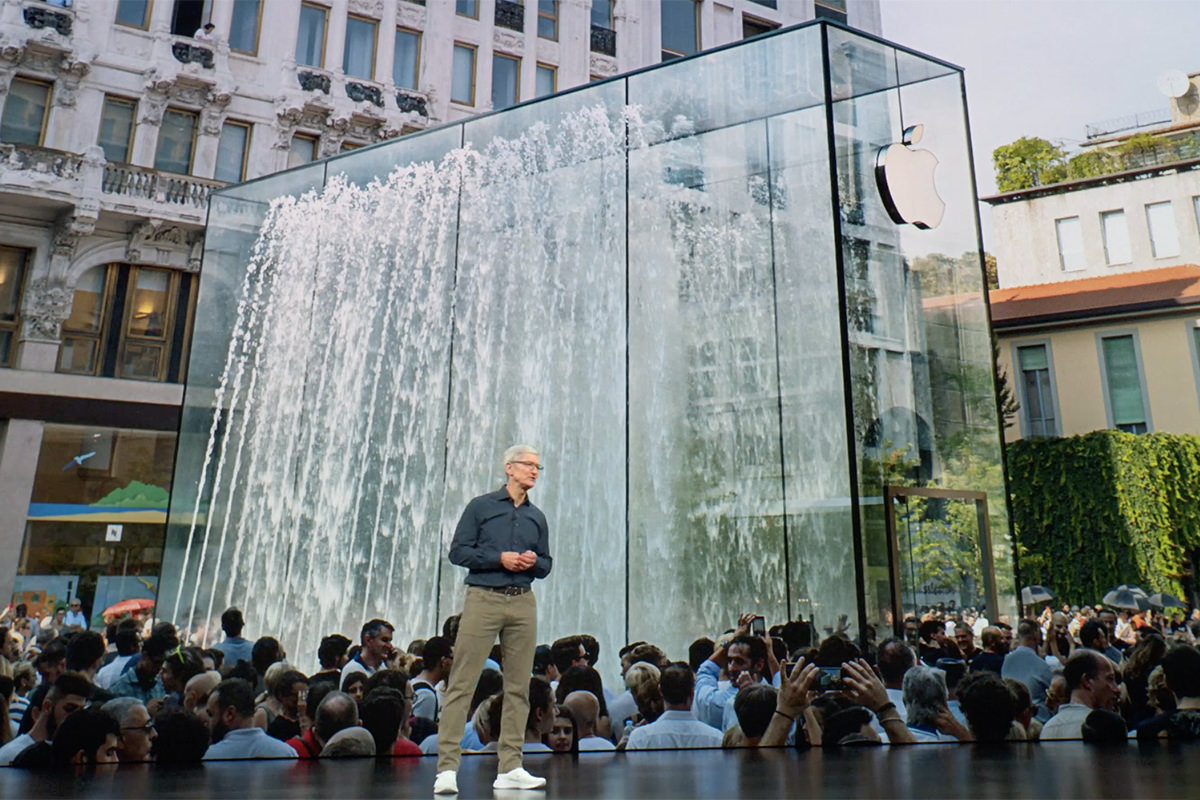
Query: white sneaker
{"points": [[446, 782], [518, 779]]}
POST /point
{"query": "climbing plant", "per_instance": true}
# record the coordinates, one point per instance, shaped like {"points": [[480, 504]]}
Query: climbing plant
{"points": [[1094, 511]]}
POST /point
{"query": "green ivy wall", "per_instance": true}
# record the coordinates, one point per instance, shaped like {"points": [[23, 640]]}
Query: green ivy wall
{"points": [[1094, 511]]}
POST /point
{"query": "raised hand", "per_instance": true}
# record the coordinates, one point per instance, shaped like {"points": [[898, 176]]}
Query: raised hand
{"points": [[795, 689], [864, 686]]}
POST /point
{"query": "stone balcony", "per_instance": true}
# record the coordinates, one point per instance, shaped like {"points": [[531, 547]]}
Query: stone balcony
{"points": [[148, 192], [56, 176]]}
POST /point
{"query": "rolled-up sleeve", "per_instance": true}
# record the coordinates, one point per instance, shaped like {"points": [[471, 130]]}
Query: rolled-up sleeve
{"points": [[544, 561]]}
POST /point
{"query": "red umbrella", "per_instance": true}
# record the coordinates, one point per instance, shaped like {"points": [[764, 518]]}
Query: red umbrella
{"points": [[128, 607]]}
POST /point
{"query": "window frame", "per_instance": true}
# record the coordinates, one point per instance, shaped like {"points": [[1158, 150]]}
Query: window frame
{"points": [[458, 13], [553, 17], [474, 72], [249, 128], [119, 99], [1104, 217], [14, 327], [324, 35], [1150, 229], [553, 77], [766, 24], [612, 13], [697, 39], [163, 343], [416, 59], [257, 30], [1026, 423], [1193, 333], [316, 146], [497, 56], [374, 23], [49, 85], [1058, 240], [1121, 333], [145, 26], [195, 115], [101, 334]]}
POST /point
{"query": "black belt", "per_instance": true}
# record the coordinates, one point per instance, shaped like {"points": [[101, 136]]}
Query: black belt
{"points": [[508, 590]]}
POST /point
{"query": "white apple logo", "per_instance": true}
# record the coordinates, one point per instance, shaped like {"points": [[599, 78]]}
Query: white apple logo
{"points": [[905, 180]]}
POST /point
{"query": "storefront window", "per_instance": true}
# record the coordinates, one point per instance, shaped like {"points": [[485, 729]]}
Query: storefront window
{"points": [[96, 519]]}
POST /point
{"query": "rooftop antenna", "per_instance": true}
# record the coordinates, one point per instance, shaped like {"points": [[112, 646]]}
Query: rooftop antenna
{"points": [[1174, 83]]}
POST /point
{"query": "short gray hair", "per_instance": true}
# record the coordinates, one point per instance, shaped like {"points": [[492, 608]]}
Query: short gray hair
{"points": [[925, 694], [518, 450], [118, 708]]}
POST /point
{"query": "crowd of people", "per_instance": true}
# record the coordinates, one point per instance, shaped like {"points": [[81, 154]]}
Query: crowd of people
{"points": [[137, 692]]}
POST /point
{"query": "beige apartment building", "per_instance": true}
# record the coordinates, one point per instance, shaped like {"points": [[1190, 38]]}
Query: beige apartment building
{"points": [[1117, 352]]}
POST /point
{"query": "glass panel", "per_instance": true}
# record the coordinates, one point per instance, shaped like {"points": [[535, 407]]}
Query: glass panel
{"points": [[938, 542], [87, 309], [1116, 237], [149, 303], [545, 81], [231, 152], [922, 380], [175, 140], [1124, 380], [462, 88], [116, 129], [548, 19], [1164, 237], [310, 40], [243, 28], [24, 112], [679, 32], [1033, 357], [358, 59], [505, 79], [549, 195], [12, 278], [706, 464], [602, 13], [77, 354], [303, 150], [467, 8], [142, 361], [133, 12], [6, 347], [404, 68], [1070, 243]]}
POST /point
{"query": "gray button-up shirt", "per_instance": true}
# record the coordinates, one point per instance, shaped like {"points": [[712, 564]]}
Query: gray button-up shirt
{"points": [[491, 525]]}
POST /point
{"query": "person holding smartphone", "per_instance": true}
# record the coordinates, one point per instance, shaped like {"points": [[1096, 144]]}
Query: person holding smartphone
{"points": [[746, 659]]}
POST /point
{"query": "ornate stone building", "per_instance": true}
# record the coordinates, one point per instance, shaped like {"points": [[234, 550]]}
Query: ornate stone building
{"points": [[118, 118]]}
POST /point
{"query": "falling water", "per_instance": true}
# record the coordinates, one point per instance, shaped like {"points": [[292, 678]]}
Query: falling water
{"points": [[599, 286]]}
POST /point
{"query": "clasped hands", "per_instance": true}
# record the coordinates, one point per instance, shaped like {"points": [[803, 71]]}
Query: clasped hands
{"points": [[518, 562]]}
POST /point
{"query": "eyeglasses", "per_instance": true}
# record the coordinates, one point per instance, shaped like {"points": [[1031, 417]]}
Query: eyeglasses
{"points": [[147, 728], [530, 464]]}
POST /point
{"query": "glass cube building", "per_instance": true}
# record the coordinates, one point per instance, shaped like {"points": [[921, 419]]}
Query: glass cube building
{"points": [[755, 386]]}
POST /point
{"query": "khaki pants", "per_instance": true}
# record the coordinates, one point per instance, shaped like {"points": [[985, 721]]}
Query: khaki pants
{"points": [[486, 614]]}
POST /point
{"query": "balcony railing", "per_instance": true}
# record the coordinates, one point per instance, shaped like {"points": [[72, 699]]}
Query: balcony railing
{"points": [[188, 53], [140, 183], [40, 160], [40, 17], [510, 15], [604, 40]]}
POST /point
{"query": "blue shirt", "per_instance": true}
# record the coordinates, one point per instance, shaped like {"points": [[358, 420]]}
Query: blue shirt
{"points": [[252, 742], [492, 524], [710, 700], [674, 730], [235, 649], [1024, 664]]}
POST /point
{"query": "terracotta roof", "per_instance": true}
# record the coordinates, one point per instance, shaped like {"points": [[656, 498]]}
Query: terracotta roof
{"points": [[1111, 295]]}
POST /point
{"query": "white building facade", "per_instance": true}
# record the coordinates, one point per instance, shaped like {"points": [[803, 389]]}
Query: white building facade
{"points": [[118, 118]]}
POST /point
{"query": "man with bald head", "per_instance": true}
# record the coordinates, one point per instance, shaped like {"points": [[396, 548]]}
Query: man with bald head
{"points": [[586, 709], [196, 691]]}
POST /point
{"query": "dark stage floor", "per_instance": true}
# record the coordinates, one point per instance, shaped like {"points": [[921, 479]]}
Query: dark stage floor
{"points": [[1051, 770]]}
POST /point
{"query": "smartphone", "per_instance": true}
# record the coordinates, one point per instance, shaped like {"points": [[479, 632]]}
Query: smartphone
{"points": [[830, 680], [758, 626]]}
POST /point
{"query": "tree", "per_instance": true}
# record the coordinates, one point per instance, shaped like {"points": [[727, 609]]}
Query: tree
{"points": [[1028, 162], [1093, 163]]}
